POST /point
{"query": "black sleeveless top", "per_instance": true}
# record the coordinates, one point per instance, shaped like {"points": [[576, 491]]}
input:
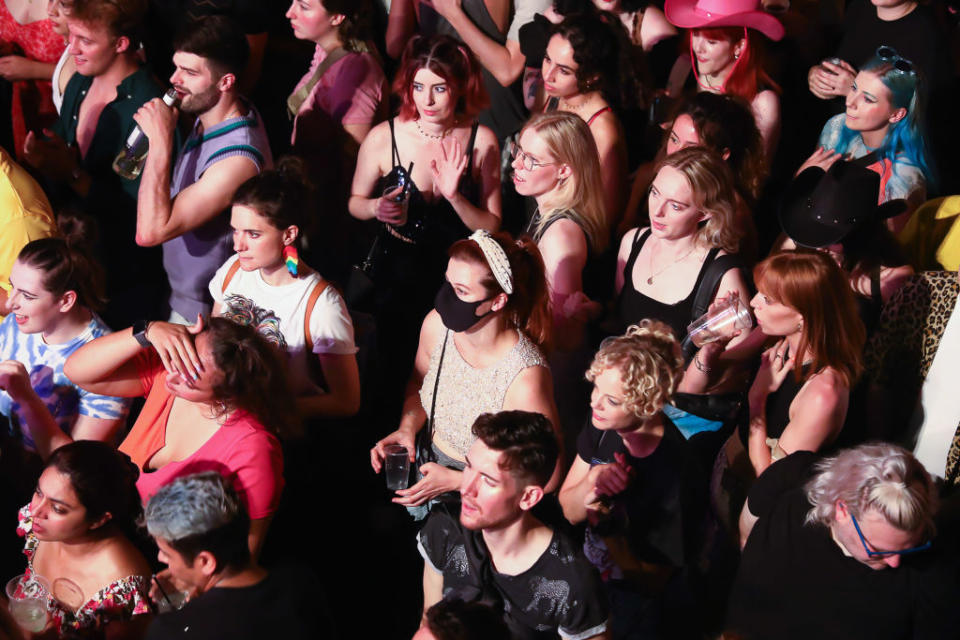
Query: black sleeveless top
{"points": [[434, 224], [594, 277], [869, 307], [633, 306], [778, 405]]}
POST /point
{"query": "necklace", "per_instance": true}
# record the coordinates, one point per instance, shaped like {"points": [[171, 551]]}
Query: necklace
{"points": [[671, 264], [433, 136]]}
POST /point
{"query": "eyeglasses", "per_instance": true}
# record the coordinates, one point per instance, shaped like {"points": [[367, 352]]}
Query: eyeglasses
{"points": [[886, 554], [526, 160], [901, 64]]}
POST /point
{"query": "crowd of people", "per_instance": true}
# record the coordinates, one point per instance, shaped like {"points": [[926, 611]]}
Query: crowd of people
{"points": [[644, 310]]}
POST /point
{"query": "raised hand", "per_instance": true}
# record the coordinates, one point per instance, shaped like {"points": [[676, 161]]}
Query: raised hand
{"points": [[449, 169]]}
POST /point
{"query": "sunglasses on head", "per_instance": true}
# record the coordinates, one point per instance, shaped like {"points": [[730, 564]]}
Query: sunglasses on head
{"points": [[901, 64]]}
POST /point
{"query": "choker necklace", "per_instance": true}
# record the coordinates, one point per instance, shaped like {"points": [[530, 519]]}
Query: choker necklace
{"points": [[433, 136], [669, 264]]}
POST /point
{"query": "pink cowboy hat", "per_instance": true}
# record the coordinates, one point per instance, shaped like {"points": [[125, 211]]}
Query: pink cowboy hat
{"points": [[705, 14]]}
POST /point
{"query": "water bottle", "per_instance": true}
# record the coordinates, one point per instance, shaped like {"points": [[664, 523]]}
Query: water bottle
{"points": [[129, 162]]}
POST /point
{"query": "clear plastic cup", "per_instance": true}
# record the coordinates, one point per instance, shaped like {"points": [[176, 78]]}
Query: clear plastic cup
{"points": [[28, 597], [396, 466], [726, 318]]}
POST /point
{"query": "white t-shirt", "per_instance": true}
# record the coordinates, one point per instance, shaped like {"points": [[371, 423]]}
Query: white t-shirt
{"points": [[278, 313]]}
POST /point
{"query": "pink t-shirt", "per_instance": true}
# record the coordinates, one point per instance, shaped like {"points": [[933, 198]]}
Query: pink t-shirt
{"points": [[241, 450], [350, 92]]}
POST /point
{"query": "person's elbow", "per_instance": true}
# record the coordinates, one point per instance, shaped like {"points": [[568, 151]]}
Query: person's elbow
{"points": [[574, 513], [509, 72], [148, 239]]}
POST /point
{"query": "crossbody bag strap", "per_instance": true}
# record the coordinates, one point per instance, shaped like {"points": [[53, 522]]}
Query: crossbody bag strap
{"points": [[428, 435], [297, 98]]}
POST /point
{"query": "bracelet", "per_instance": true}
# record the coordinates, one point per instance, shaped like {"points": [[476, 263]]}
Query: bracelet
{"points": [[702, 368]]}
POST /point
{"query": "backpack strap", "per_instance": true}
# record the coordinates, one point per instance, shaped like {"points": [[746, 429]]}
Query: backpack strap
{"points": [[315, 293], [707, 290], [232, 271]]}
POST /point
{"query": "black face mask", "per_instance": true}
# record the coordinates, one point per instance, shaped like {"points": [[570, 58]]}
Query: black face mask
{"points": [[456, 314]]}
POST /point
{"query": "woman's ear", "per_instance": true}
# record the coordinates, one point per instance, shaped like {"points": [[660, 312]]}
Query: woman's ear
{"points": [[67, 300], [337, 19], [705, 215], [898, 115], [101, 521], [499, 302], [290, 234], [564, 172], [725, 154]]}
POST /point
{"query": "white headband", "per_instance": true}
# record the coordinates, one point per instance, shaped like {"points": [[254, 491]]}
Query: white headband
{"points": [[496, 259]]}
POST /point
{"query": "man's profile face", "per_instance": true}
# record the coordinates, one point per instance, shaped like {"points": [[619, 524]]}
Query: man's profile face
{"points": [[876, 534], [195, 83], [184, 576], [490, 496], [92, 46]]}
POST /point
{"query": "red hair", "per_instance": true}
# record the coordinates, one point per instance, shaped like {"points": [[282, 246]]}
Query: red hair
{"points": [[451, 61], [833, 334], [747, 77], [528, 307]]}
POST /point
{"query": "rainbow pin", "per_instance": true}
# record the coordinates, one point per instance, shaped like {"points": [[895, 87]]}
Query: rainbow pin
{"points": [[291, 259]]}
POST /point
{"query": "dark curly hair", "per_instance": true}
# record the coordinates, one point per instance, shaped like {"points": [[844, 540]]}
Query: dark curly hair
{"points": [[725, 123], [254, 376], [526, 440], [602, 54]]}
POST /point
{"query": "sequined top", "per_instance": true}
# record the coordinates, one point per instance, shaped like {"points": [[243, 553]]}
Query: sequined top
{"points": [[465, 392]]}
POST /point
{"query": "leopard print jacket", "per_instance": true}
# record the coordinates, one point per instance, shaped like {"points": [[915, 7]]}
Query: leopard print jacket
{"points": [[902, 348]]}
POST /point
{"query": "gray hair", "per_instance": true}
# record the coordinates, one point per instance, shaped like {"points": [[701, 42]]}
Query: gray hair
{"points": [[876, 476], [192, 506]]}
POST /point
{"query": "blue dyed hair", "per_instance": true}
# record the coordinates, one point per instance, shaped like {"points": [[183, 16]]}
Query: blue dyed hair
{"points": [[906, 139]]}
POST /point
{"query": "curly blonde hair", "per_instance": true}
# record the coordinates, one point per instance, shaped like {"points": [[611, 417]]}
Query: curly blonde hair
{"points": [[650, 362]]}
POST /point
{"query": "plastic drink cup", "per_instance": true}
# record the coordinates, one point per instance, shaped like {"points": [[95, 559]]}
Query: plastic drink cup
{"points": [[28, 597], [396, 466], [728, 317]]}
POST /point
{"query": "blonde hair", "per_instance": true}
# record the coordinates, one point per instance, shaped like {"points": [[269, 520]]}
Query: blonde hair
{"points": [[711, 183], [877, 477], [580, 196], [650, 362]]}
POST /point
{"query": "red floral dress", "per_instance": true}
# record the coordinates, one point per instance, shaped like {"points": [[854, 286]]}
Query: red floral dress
{"points": [[32, 107], [119, 600]]}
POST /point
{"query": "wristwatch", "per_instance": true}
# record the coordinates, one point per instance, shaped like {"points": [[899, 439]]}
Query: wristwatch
{"points": [[140, 332]]}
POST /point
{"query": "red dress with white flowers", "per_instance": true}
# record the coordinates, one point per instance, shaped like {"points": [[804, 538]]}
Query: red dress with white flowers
{"points": [[119, 600]]}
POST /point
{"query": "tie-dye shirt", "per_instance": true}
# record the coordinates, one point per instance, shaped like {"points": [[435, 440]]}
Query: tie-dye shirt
{"points": [[44, 363]]}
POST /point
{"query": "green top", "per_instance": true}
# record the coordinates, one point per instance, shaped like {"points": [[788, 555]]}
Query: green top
{"points": [[112, 200]]}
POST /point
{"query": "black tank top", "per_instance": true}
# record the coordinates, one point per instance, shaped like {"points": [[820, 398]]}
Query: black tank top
{"points": [[633, 306], [778, 405]]}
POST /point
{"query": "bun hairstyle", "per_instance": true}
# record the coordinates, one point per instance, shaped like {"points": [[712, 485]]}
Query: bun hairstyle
{"points": [[450, 60], [528, 307], [282, 195], [650, 361], [104, 480], [66, 262], [355, 28]]}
